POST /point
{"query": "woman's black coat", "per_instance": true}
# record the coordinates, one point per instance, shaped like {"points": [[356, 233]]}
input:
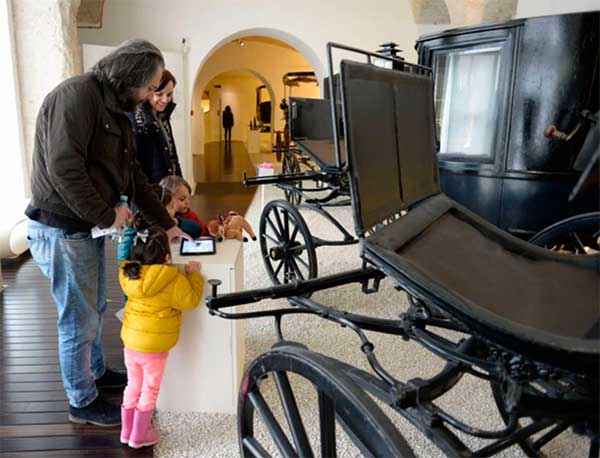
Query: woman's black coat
{"points": [[152, 146]]}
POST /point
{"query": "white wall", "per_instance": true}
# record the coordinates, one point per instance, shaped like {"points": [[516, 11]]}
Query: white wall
{"points": [[12, 237], [47, 49], [209, 24], [11, 174], [529, 8], [239, 92]]}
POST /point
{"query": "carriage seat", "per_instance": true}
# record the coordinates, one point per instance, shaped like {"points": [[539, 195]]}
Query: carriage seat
{"points": [[311, 130], [529, 299]]}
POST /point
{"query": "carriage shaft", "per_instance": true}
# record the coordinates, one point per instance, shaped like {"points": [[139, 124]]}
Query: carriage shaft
{"points": [[284, 178], [292, 289]]}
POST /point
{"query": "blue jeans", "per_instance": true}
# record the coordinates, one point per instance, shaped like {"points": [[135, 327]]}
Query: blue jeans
{"points": [[74, 263]]}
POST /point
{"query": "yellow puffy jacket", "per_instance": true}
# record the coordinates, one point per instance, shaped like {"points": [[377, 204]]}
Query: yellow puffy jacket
{"points": [[154, 304]]}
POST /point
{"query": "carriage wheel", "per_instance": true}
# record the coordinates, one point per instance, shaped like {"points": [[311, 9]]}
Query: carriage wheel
{"points": [[291, 165], [286, 245], [290, 424], [579, 234]]}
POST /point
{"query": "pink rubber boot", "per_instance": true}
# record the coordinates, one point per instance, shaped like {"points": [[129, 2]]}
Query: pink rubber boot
{"points": [[126, 423], [142, 433]]}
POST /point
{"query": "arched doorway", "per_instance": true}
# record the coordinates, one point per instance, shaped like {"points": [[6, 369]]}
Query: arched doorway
{"points": [[247, 94], [267, 59]]}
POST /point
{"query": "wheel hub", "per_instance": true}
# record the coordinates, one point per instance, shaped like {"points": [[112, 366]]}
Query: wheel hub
{"points": [[276, 253], [283, 252]]}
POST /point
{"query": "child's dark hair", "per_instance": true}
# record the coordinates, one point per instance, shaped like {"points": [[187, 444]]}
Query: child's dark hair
{"points": [[150, 246]]}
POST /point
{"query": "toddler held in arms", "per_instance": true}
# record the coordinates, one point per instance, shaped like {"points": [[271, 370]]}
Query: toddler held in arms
{"points": [[156, 294]]}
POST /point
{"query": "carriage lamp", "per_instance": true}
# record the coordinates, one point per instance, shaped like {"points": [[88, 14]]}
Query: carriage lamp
{"points": [[389, 50]]}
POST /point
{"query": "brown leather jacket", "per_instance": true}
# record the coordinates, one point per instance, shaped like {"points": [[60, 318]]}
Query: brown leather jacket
{"points": [[84, 157]]}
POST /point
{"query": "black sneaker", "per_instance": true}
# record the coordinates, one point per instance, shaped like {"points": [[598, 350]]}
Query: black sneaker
{"points": [[112, 379], [99, 413]]}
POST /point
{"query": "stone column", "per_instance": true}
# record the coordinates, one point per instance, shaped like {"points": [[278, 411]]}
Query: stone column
{"points": [[47, 52]]}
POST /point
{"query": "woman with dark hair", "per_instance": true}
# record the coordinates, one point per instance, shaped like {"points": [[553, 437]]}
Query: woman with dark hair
{"points": [[156, 151]]}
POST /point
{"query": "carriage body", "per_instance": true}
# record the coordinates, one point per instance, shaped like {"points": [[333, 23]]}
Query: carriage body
{"points": [[498, 87]]}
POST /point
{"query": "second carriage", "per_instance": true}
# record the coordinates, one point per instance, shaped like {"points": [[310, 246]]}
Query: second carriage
{"points": [[312, 179]]}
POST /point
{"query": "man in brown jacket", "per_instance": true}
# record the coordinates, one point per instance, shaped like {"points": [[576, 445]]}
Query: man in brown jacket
{"points": [[83, 159]]}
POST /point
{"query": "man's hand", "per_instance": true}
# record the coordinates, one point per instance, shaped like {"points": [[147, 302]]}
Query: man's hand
{"points": [[192, 266], [175, 234], [122, 217]]}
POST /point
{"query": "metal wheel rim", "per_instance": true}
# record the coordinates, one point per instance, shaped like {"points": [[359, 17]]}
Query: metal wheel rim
{"points": [[573, 233], [291, 165], [282, 228], [339, 399]]}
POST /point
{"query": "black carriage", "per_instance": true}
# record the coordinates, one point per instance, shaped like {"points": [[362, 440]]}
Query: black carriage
{"points": [[514, 103], [523, 318], [312, 179]]}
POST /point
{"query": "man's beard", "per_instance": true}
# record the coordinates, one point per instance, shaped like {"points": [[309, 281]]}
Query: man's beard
{"points": [[127, 100]]}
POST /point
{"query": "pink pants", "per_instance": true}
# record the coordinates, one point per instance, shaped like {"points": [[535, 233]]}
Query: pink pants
{"points": [[144, 374]]}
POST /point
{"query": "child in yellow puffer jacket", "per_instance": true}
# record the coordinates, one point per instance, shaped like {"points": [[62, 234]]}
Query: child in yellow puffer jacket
{"points": [[156, 294]]}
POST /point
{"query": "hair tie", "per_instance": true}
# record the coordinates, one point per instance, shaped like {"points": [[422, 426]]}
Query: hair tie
{"points": [[143, 236]]}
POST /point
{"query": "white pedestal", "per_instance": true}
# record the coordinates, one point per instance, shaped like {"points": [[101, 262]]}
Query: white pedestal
{"points": [[253, 141], [205, 369]]}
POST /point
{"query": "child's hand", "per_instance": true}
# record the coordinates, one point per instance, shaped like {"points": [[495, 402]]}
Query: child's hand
{"points": [[192, 266]]}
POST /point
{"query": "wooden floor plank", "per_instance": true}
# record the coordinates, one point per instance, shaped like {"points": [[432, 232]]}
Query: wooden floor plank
{"points": [[16, 396], [21, 387], [31, 361], [29, 369], [18, 353], [34, 406], [33, 418], [75, 441], [50, 430]]}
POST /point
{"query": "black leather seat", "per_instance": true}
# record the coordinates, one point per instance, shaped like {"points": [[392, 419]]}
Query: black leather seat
{"points": [[538, 303], [542, 304]]}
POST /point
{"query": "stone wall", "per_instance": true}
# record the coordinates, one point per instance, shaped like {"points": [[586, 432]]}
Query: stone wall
{"points": [[47, 51]]}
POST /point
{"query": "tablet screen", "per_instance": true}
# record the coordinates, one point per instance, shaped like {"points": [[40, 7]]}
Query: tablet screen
{"points": [[198, 246]]}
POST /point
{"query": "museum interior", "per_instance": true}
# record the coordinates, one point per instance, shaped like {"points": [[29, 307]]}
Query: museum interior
{"points": [[403, 203]]}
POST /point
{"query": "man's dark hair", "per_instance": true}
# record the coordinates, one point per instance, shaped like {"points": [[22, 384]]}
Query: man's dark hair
{"points": [[132, 65]]}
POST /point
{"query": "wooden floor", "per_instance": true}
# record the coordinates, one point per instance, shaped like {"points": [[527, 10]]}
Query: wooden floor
{"points": [[219, 164], [33, 405]]}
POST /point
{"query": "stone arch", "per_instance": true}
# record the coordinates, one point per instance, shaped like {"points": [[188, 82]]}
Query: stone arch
{"points": [[430, 11], [468, 12], [286, 37]]}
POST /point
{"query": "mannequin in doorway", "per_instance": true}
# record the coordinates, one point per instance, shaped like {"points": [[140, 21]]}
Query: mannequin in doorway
{"points": [[227, 125]]}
